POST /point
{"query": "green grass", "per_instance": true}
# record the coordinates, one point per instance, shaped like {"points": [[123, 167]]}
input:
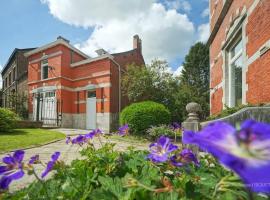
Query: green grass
{"points": [[129, 138], [24, 138]]}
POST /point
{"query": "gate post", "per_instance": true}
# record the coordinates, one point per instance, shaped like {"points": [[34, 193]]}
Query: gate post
{"points": [[192, 122], [37, 108]]}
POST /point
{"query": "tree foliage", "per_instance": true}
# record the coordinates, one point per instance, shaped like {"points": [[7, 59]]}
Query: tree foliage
{"points": [[155, 82], [196, 74]]}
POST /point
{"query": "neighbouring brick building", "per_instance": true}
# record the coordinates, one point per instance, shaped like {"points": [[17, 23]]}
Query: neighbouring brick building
{"points": [[14, 76], [82, 92], [239, 53]]}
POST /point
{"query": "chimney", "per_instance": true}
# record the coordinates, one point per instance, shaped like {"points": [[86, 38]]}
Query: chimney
{"points": [[62, 38], [137, 43]]}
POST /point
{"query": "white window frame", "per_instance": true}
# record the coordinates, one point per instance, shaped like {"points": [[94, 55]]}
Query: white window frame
{"points": [[231, 60], [42, 66]]}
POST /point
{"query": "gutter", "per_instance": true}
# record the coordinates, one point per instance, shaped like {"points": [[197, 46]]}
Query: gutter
{"points": [[219, 21], [119, 85]]}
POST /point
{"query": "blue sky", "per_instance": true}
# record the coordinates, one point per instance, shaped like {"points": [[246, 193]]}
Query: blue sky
{"points": [[32, 23]]}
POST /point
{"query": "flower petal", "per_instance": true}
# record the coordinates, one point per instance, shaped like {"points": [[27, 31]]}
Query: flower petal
{"points": [[4, 182], [9, 160], [48, 169], [17, 175], [18, 155], [3, 169], [55, 156], [33, 159], [261, 130]]}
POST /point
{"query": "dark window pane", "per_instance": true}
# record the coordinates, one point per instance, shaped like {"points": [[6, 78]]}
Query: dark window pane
{"points": [[45, 72], [237, 65], [91, 94]]}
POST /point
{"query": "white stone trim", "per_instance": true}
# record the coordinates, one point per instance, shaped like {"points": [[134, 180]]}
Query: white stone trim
{"points": [[258, 53], [94, 75], [44, 89], [245, 63], [52, 44], [60, 87], [253, 6], [80, 102], [46, 57], [97, 100], [100, 85], [89, 60]]}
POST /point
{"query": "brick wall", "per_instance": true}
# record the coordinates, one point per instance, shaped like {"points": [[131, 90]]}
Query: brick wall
{"points": [[257, 33]]}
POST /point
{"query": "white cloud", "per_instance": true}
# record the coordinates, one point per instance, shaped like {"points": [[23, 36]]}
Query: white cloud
{"points": [[205, 12], [176, 72], [165, 33], [186, 6], [203, 32], [178, 5]]}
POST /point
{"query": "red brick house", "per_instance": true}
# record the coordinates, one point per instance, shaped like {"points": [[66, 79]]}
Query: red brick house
{"points": [[71, 89], [239, 53]]}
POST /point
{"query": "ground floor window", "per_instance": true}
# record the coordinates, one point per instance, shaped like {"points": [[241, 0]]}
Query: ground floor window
{"points": [[235, 65]]}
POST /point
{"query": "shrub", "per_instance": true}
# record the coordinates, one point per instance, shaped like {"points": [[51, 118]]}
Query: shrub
{"points": [[8, 120], [157, 131], [143, 115]]}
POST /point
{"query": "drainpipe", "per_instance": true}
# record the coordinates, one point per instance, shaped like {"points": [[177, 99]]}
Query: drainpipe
{"points": [[119, 85]]}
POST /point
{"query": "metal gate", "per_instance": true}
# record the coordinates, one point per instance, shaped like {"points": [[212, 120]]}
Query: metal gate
{"points": [[48, 109]]}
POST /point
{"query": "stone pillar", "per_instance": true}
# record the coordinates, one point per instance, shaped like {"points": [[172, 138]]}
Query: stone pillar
{"points": [[192, 122]]}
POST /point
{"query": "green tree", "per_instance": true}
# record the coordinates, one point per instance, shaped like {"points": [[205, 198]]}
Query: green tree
{"points": [[155, 82], [151, 82], [195, 75]]}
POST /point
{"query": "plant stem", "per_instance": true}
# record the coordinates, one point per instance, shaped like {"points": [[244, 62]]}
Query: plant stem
{"points": [[43, 184], [100, 140]]}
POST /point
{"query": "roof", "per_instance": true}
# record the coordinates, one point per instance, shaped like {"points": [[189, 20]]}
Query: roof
{"points": [[89, 60], [60, 40], [12, 56]]}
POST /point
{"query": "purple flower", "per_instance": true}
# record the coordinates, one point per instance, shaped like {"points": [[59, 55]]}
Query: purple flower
{"points": [[161, 149], [123, 130], [13, 170], [50, 164], [185, 157], [80, 140], [93, 133], [68, 140], [34, 159], [175, 126], [246, 152]]}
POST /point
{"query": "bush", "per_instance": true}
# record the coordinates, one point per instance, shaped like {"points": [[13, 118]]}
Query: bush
{"points": [[8, 120], [156, 131], [143, 115]]}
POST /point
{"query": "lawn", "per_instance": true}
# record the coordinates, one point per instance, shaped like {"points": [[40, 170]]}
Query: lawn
{"points": [[23, 138]]}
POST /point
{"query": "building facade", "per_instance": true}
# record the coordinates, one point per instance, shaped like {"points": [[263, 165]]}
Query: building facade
{"points": [[70, 89], [239, 53], [14, 76]]}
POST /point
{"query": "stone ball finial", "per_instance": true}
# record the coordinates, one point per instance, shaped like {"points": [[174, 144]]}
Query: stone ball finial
{"points": [[193, 107]]}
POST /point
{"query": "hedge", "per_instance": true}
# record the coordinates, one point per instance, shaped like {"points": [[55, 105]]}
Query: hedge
{"points": [[143, 115]]}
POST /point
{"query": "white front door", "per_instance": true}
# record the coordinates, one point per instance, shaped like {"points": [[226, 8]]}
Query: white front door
{"points": [[91, 110]]}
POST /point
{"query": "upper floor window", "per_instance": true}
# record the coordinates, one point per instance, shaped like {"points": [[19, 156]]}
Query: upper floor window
{"points": [[235, 64], [44, 69], [14, 74], [6, 82], [9, 78]]}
